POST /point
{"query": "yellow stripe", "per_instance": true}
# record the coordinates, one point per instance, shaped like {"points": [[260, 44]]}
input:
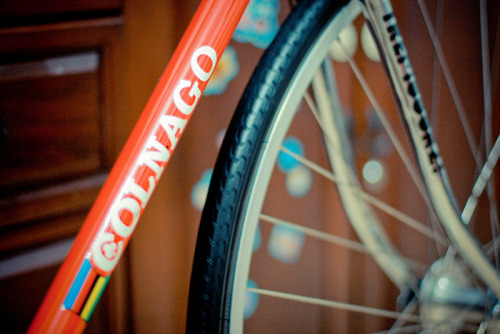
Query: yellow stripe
{"points": [[94, 296]]}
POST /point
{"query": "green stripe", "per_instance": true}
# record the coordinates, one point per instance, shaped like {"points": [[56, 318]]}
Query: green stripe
{"points": [[94, 297]]}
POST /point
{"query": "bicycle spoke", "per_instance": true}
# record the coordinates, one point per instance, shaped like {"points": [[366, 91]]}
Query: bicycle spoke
{"points": [[336, 240], [495, 62], [396, 142], [481, 182], [485, 51], [451, 83], [389, 130], [332, 304], [324, 87], [333, 239], [408, 310], [436, 73], [407, 220]]}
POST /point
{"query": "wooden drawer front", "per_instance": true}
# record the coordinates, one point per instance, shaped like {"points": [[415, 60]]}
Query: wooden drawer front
{"points": [[25, 12], [57, 116], [50, 109]]}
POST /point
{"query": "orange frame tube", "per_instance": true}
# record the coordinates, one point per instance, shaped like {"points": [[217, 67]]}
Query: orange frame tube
{"points": [[100, 243]]}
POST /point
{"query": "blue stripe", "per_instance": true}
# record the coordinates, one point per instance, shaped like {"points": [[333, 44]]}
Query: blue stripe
{"points": [[77, 285]]}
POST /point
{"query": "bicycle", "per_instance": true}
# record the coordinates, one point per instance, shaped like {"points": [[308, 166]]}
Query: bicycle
{"points": [[440, 297]]}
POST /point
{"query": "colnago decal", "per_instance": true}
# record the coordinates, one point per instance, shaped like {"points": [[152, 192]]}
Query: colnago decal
{"points": [[137, 190], [419, 112]]}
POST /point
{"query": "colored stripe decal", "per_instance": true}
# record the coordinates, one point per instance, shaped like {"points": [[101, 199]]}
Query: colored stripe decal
{"points": [[77, 284], [84, 291], [94, 297]]}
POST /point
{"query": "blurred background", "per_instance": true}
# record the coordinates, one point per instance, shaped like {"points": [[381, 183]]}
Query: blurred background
{"points": [[74, 77]]}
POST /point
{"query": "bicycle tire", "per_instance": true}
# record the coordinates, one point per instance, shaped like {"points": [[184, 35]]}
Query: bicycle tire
{"points": [[217, 243]]}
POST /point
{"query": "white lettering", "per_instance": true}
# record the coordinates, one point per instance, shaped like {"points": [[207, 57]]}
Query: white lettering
{"points": [[106, 252], [195, 92], [172, 125], [125, 214], [126, 204], [152, 158], [195, 66], [139, 192]]}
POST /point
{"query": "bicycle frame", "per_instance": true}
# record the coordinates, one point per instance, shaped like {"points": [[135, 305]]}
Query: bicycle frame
{"points": [[106, 231]]}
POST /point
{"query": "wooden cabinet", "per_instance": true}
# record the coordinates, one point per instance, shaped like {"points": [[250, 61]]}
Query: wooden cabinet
{"points": [[59, 67]]}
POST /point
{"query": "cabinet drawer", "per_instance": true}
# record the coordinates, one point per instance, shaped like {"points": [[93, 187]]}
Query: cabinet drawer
{"points": [[57, 121], [26, 12], [50, 114]]}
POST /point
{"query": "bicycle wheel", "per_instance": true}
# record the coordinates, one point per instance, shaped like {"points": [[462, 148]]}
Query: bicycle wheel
{"points": [[268, 147]]}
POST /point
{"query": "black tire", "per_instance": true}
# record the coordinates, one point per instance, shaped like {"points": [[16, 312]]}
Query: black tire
{"points": [[221, 224]]}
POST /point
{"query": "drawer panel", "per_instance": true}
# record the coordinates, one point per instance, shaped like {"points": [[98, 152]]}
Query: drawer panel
{"points": [[50, 111], [26, 12]]}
